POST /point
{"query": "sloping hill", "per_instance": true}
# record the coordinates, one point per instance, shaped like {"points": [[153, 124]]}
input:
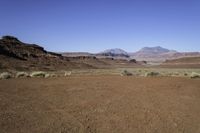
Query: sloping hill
{"points": [[186, 62], [152, 54]]}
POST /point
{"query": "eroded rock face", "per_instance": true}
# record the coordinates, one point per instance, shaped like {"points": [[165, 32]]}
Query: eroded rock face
{"points": [[12, 47]]}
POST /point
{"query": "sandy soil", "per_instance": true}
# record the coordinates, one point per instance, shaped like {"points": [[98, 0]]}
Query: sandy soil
{"points": [[102, 104]]}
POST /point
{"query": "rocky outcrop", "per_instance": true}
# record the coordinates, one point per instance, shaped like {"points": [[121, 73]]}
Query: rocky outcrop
{"points": [[12, 47]]}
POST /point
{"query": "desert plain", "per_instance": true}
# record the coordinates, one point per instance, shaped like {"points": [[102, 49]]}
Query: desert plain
{"points": [[100, 104]]}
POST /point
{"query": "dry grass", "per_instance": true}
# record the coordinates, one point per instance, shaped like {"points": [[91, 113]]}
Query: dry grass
{"points": [[5, 75]]}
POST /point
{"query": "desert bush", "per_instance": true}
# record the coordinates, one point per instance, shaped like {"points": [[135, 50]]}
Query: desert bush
{"points": [[126, 73], [38, 74], [169, 74], [47, 75], [21, 74], [195, 75], [151, 74], [67, 73], [53, 75], [176, 74], [133, 61], [5, 75]]}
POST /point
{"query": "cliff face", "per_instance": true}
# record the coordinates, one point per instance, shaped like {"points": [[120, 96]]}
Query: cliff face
{"points": [[12, 47]]}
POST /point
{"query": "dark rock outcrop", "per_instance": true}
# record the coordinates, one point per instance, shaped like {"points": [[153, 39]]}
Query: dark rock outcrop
{"points": [[12, 47]]}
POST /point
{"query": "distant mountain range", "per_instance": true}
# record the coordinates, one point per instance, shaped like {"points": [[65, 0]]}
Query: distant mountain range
{"points": [[152, 54], [19, 56], [160, 54], [115, 53], [12, 47]]}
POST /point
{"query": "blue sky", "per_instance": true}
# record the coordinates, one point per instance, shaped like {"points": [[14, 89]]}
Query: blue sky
{"points": [[96, 25]]}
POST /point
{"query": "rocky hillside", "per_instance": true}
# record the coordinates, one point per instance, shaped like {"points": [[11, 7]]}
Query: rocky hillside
{"points": [[12, 47]]}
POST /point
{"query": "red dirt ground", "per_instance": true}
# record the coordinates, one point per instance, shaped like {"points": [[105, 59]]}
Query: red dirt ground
{"points": [[100, 104]]}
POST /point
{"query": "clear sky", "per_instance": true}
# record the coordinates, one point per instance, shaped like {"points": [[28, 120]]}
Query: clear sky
{"points": [[96, 25]]}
